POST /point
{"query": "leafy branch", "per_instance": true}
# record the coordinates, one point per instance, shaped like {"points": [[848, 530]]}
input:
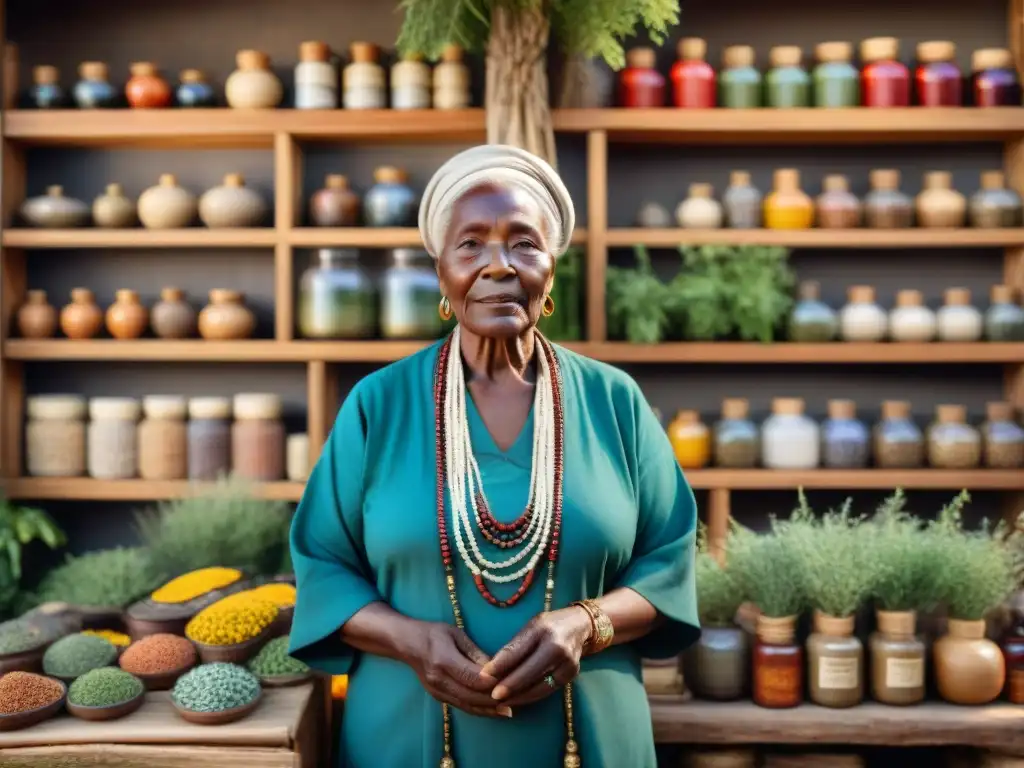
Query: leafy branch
{"points": [[19, 527]]}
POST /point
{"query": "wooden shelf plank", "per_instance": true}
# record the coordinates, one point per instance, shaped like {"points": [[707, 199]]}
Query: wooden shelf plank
{"points": [[997, 726], [140, 238], [820, 238], [740, 353], [88, 489], [370, 237]]}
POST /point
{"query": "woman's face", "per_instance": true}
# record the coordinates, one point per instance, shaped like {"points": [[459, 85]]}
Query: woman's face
{"points": [[496, 268]]}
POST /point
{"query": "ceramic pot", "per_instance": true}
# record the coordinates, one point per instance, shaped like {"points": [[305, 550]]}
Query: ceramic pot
{"points": [[46, 92], [390, 202], [82, 318], [837, 206], [37, 318], [126, 317], [166, 205], [173, 317], [788, 207], [55, 211], [700, 210], [969, 668], [226, 317], [995, 205], [653, 216], [939, 205], [93, 90], [113, 210], [253, 85], [742, 202], [717, 666], [232, 205], [146, 89], [194, 90], [336, 205]]}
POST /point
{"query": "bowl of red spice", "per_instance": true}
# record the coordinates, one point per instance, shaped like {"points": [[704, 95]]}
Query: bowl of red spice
{"points": [[159, 660], [27, 699]]}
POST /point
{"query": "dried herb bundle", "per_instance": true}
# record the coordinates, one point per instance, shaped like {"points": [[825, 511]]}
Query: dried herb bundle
{"points": [[906, 568], [719, 593], [765, 567]]}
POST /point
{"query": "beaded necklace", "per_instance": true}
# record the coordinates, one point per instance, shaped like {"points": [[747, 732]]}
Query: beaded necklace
{"points": [[538, 528]]}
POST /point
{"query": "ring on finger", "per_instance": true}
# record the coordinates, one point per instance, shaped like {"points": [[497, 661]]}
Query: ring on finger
{"points": [[550, 680]]}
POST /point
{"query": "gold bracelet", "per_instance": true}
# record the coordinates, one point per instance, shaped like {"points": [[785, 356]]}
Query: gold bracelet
{"points": [[602, 632]]}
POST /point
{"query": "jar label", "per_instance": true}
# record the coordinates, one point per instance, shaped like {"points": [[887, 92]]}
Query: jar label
{"points": [[776, 683], [838, 673], [904, 673], [1016, 688]]}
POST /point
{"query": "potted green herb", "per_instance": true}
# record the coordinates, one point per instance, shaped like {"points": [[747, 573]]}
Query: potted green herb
{"points": [[636, 301]]}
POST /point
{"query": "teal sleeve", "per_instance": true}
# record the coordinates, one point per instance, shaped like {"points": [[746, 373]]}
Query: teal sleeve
{"points": [[331, 571], [662, 566]]}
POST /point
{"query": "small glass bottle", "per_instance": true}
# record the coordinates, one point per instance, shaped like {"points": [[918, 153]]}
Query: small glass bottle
{"points": [[316, 80], [700, 210], [693, 79], [1004, 319], [835, 662], [897, 659], [209, 437], [885, 79], [194, 91], [787, 206], [885, 206], [952, 442], [736, 439], [691, 440], [812, 320], [939, 206], [837, 207], [910, 320], [46, 90], [93, 89], [995, 205], [55, 436], [836, 80], [742, 202], [845, 442], [390, 202], [789, 438], [451, 80], [337, 299], [1002, 438], [640, 84], [862, 319], [409, 297], [778, 664], [787, 84], [410, 83], [958, 319], [363, 82], [258, 438], [163, 438], [898, 441], [112, 441], [994, 80], [938, 79], [739, 82]]}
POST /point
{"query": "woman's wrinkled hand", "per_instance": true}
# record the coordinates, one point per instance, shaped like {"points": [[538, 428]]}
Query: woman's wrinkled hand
{"points": [[551, 644]]}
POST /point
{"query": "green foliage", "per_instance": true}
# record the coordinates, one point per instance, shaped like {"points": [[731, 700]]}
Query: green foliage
{"points": [[106, 578], [719, 593], [19, 527], [766, 569], [905, 563], [566, 323], [637, 301]]}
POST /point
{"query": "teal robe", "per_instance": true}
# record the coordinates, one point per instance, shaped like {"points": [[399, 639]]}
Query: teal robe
{"points": [[366, 531]]}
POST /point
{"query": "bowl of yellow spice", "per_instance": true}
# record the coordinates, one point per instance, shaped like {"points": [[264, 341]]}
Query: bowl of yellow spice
{"points": [[282, 594], [169, 609], [233, 629]]}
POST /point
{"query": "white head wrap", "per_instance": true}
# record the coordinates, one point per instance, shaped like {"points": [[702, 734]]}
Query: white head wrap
{"points": [[503, 166]]}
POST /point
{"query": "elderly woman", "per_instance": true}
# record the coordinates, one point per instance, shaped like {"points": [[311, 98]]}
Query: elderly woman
{"points": [[497, 530]]}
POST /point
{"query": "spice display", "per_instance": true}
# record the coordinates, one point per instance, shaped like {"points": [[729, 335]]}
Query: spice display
{"points": [[862, 319], [409, 297], [209, 437], [693, 79], [194, 584], [957, 319], [163, 439], [363, 82], [938, 80], [691, 440], [640, 84], [787, 83], [837, 207], [885, 206], [296, 457], [232, 620], [19, 636], [938, 205], [232, 205], [885, 79], [739, 82], [836, 79], [994, 80], [410, 83], [106, 687], [226, 317], [812, 320], [117, 639], [167, 205], [952, 442], [126, 318], [215, 687], [910, 319], [82, 318], [451, 80], [194, 91], [93, 89], [845, 442], [787, 207], [46, 91], [37, 317], [390, 202], [789, 438], [54, 210], [173, 317], [736, 440], [337, 299], [316, 81], [897, 440], [113, 209], [273, 661], [995, 205], [742, 202], [158, 654], [336, 205], [253, 85], [257, 438], [74, 655], [1004, 319], [55, 436], [1002, 438], [700, 210], [146, 89], [112, 438], [26, 691]]}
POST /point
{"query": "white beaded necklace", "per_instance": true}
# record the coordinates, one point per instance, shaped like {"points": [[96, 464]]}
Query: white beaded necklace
{"points": [[465, 482]]}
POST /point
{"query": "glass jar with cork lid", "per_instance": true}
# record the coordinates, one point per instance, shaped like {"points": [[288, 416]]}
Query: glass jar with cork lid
{"points": [[898, 441], [910, 320], [952, 442], [835, 662], [163, 438], [742, 202], [451, 80], [938, 79], [700, 210], [1002, 438], [55, 436], [691, 440], [258, 438], [845, 442], [788, 206], [885, 206], [885, 79], [410, 82], [736, 438], [897, 659], [812, 320], [939, 206], [1004, 318], [957, 319], [739, 82], [837, 207], [787, 84], [363, 83], [862, 319], [836, 79], [995, 205], [316, 80], [789, 438]]}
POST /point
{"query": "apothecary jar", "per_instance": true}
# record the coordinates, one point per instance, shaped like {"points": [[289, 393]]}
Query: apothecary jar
{"points": [[55, 436], [337, 299], [409, 297]]}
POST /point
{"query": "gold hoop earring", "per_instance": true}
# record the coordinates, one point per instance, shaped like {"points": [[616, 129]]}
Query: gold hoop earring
{"points": [[444, 309], [549, 306]]}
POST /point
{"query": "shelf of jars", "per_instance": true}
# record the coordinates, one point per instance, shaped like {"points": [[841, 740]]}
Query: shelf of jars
{"points": [[1005, 237], [89, 489]]}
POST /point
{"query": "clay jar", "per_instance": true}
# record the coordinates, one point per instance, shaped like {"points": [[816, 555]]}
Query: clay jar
{"points": [[837, 207], [787, 207], [146, 89], [835, 661], [126, 317], [167, 206], [700, 210], [232, 205], [939, 205], [37, 318], [54, 211], [173, 317], [82, 318], [226, 317], [113, 210], [969, 668], [336, 205], [885, 207], [253, 85], [717, 665]]}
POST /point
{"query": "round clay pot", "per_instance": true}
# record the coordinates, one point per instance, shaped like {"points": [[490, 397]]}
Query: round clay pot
{"points": [[173, 317], [37, 318], [113, 210], [232, 205], [145, 89], [33, 717], [82, 318], [55, 211], [218, 718], [126, 317], [336, 205], [167, 206], [969, 668], [113, 712], [226, 317], [939, 205], [253, 85]]}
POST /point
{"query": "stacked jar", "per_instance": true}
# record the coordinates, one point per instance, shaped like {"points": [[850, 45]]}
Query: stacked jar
{"points": [[55, 436], [163, 438], [258, 438]]}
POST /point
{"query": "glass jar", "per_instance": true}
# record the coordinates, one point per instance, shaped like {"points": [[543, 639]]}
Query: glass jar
{"points": [[1004, 320], [939, 205], [938, 79], [897, 659], [835, 662], [789, 438], [885, 206], [693, 79], [209, 438], [886, 80], [691, 440], [163, 438], [717, 665], [1002, 438], [297, 457], [112, 439], [995, 205], [700, 210], [778, 664], [994, 81], [55, 436], [812, 320], [1013, 655], [837, 206], [46, 92], [451, 80], [862, 319], [787, 207], [410, 83], [640, 84], [736, 440], [898, 441], [836, 80], [957, 319], [787, 84], [739, 82], [93, 89], [363, 81], [844, 439], [316, 81], [390, 202], [952, 442], [337, 300], [257, 438], [409, 297], [910, 320], [742, 202]]}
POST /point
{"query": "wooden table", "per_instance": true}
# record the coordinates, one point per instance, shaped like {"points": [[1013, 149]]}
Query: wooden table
{"points": [[284, 732]]}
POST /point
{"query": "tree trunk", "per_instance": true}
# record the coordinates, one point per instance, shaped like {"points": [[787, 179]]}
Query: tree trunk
{"points": [[518, 112]]}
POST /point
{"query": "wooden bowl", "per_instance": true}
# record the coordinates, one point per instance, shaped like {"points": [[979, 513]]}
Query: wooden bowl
{"points": [[286, 681], [26, 661], [283, 623], [33, 716], [218, 718], [234, 654], [140, 628], [97, 714], [163, 681]]}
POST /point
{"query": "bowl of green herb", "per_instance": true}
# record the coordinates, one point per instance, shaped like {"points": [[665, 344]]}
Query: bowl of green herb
{"points": [[107, 693]]}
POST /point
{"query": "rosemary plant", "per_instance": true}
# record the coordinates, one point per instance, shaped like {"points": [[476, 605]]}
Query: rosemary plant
{"points": [[719, 594], [765, 568], [906, 566]]}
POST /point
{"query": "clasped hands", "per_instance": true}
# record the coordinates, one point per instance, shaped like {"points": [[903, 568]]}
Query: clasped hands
{"points": [[455, 671]]}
